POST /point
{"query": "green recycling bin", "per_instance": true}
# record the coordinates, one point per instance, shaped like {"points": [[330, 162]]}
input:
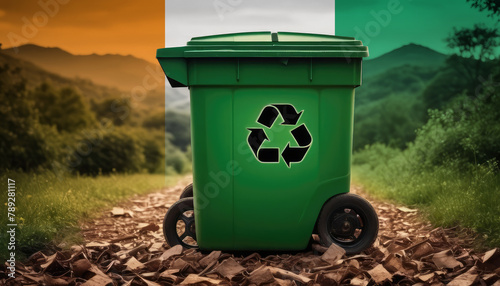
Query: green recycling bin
{"points": [[271, 126]]}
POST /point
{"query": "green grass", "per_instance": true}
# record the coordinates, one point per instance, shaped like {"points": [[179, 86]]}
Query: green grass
{"points": [[447, 195], [48, 209]]}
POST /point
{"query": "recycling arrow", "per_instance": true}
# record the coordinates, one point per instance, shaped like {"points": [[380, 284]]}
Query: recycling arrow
{"points": [[290, 154], [289, 114], [293, 154], [296, 154], [270, 113], [267, 116], [255, 139]]}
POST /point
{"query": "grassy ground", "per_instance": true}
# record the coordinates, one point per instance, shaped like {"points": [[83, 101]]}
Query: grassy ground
{"points": [[446, 195], [48, 209]]}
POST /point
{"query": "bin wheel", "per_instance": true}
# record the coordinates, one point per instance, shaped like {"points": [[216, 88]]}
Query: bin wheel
{"points": [[178, 225], [349, 221], [187, 192]]}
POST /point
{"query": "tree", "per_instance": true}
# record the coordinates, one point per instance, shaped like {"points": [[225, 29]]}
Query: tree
{"points": [[467, 132], [476, 50], [118, 151], [115, 109], [475, 46], [478, 43], [493, 6], [173, 122], [25, 144], [65, 108]]}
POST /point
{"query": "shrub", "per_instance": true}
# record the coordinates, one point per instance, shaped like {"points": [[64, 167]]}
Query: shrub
{"points": [[117, 110], [175, 123], [468, 132], [117, 151], [65, 109], [391, 121], [450, 171], [177, 162], [25, 143], [153, 155]]}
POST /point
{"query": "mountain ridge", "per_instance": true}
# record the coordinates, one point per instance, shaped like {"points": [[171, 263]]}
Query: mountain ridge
{"points": [[35, 75], [410, 54], [62, 51], [155, 98], [124, 72]]}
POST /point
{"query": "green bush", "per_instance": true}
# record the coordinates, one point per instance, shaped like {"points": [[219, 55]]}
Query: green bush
{"points": [[115, 109], [469, 132], [391, 121], [177, 162], [153, 145], [25, 144], [65, 109], [125, 151], [447, 194], [54, 128], [153, 154], [175, 123], [450, 170], [117, 151]]}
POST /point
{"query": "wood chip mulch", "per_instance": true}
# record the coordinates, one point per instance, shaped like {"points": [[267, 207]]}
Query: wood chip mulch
{"points": [[126, 247]]}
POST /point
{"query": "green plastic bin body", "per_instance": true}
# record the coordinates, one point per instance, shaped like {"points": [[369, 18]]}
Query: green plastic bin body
{"points": [[253, 93]]}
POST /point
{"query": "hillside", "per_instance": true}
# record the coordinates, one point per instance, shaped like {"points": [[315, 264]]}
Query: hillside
{"points": [[122, 72], [412, 54], [381, 76], [35, 75], [392, 90], [97, 74], [401, 80]]}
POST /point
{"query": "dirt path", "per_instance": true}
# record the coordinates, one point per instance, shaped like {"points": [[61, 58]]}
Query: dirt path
{"points": [[126, 247]]}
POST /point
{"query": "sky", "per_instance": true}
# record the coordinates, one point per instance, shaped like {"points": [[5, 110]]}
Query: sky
{"points": [[186, 19], [384, 25], [139, 27], [85, 27]]}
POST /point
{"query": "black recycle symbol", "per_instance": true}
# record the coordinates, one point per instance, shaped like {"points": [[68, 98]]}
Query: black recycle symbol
{"points": [[290, 154]]}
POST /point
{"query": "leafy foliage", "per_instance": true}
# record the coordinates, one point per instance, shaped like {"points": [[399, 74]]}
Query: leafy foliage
{"points": [[153, 155], [403, 95], [173, 122], [492, 6], [451, 169], [447, 194], [117, 151], [376, 122], [478, 43], [114, 109], [391, 97], [468, 132], [49, 127], [65, 109], [25, 144]]}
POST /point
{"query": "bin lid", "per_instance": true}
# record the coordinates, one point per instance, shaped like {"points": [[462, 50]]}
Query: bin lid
{"points": [[267, 44]]}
